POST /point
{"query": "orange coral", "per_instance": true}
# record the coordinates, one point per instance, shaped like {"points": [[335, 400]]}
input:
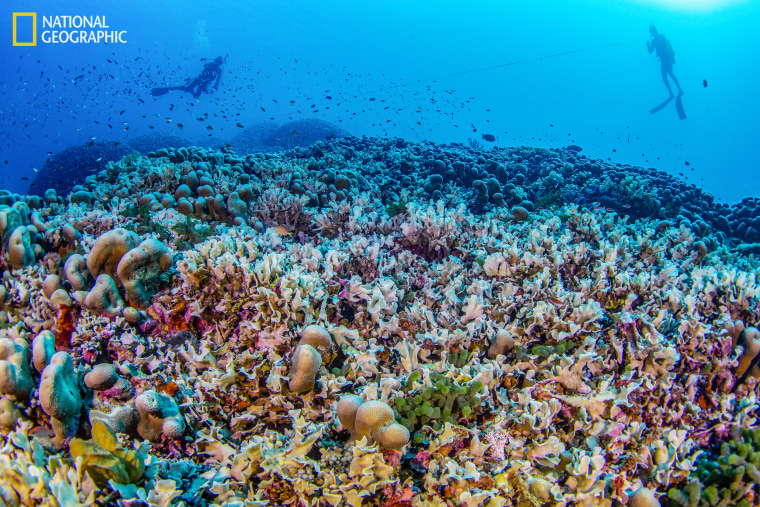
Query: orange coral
{"points": [[65, 324]]}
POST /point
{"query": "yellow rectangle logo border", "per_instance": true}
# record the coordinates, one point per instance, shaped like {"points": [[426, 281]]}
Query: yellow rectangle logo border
{"points": [[34, 28]]}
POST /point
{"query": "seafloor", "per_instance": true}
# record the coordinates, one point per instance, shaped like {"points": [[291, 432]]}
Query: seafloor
{"points": [[378, 322]]}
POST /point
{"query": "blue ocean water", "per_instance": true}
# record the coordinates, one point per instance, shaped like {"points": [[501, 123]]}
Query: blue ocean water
{"points": [[544, 73]]}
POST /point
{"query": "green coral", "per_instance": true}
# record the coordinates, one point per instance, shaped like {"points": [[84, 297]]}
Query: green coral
{"points": [[143, 223], [547, 350], [396, 208], [726, 477], [460, 358], [445, 401], [192, 232]]}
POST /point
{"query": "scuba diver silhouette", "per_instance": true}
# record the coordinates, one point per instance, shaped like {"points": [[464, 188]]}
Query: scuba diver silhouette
{"points": [[667, 56], [207, 82]]}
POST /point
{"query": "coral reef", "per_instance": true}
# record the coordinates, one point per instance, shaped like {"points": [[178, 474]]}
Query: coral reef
{"points": [[378, 322]]}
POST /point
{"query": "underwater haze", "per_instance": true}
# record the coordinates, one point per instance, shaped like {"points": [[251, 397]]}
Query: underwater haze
{"points": [[541, 73]]}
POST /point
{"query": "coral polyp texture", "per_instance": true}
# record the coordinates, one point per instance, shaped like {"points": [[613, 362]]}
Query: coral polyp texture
{"points": [[371, 322]]}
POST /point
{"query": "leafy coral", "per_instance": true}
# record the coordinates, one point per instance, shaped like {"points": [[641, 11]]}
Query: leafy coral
{"points": [[104, 459]]}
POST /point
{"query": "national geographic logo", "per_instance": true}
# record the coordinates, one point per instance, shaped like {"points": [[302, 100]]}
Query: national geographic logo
{"points": [[64, 30], [27, 41]]}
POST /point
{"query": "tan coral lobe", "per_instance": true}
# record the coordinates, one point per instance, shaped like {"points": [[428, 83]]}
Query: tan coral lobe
{"points": [[303, 372]]}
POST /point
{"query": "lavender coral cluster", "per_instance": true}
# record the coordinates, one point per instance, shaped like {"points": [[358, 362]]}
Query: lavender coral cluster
{"points": [[308, 346]]}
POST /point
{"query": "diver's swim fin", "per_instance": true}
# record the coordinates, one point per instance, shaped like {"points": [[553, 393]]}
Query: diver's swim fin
{"points": [[679, 107], [660, 107], [156, 92]]}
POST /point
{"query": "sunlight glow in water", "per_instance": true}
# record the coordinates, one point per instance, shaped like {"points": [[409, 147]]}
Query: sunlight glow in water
{"points": [[694, 5]]}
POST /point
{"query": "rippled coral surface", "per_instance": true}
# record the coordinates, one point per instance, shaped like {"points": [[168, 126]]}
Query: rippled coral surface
{"points": [[570, 358]]}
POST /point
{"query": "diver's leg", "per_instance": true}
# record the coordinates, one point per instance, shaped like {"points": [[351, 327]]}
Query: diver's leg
{"points": [[675, 80], [664, 70]]}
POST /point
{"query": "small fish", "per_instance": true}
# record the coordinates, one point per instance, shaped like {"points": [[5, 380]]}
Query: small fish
{"points": [[25, 178], [704, 83], [209, 128], [281, 230], [180, 125], [488, 137], [555, 301], [294, 133]]}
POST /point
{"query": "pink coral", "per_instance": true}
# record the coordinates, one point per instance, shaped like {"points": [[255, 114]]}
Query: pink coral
{"points": [[498, 440]]}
